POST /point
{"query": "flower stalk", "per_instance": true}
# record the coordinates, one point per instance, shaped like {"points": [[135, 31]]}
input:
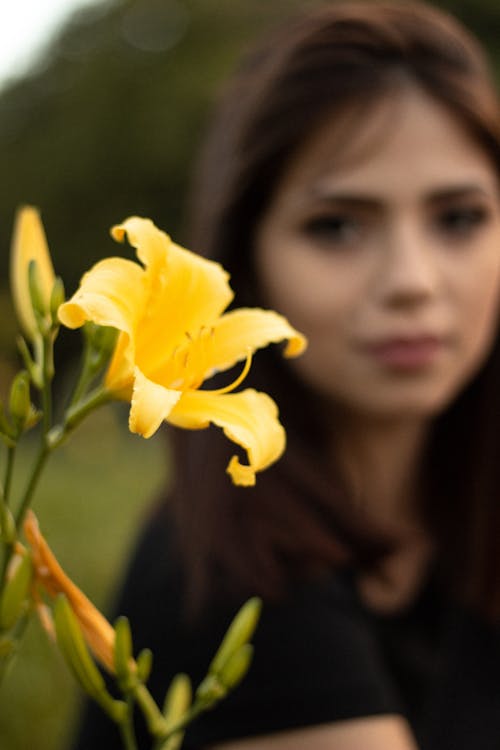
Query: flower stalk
{"points": [[154, 332]]}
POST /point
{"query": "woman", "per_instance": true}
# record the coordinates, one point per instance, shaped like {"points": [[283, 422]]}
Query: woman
{"points": [[351, 182]]}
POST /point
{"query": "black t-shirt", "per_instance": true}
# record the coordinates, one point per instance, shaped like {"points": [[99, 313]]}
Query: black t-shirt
{"points": [[320, 656]]}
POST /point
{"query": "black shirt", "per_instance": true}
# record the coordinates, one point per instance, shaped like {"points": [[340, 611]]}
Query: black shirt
{"points": [[320, 656]]}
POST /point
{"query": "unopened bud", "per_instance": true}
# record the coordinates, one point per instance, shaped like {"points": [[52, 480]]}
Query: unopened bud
{"points": [[239, 632], [15, 592], [8, 532], [57, 297], [236, 666], [144, 664], [123, 662], [210, 691], [74, 648], [178, 699], [35, 287], [19, 400]]}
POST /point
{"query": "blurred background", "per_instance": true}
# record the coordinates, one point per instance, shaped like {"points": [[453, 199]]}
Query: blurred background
{"points": [[102, 108]]}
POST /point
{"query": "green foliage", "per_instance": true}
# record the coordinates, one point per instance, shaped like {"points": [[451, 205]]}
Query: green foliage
{"points": [[90, 526]]}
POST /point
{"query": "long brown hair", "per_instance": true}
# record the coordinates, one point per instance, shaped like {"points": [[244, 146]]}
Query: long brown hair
{"points": [[297, 520]]}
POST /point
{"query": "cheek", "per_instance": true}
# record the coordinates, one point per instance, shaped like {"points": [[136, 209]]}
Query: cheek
{"points": [[477, 304], [480, 314], [310, 288]]}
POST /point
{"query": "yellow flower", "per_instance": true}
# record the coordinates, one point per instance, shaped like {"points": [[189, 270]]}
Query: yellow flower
{"points": [[49, 575], [174, 336], [29, 243]]}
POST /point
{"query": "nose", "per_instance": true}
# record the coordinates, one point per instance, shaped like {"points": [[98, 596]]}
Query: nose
{"points": [[407, 274]]}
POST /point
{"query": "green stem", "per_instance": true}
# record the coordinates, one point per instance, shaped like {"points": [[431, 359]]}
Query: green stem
{"points": [[11, 453], [83, 381], [195, 710], [41, 459], [6, 555], [53, 439], [95, 398], [7, 659], [48, 372], [152, 714], [127, 733]]}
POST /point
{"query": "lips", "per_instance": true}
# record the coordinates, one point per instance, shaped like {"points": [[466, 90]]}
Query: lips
{"points": [[407, 353]]}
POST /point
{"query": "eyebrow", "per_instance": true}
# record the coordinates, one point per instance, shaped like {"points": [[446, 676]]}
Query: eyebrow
{"points": [[367, 201], [461, 191]]}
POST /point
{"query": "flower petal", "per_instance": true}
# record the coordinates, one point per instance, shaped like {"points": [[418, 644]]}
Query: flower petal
{"points": [[186, 292], [119, 376], [29, 243], [241, 331], [112, 293], [151, 404], [248, 418]]}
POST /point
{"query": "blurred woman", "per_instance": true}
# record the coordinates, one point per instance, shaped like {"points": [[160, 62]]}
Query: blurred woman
{"points": [[350, 181]]}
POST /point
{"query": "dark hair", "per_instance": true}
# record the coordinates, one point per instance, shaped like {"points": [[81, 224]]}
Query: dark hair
{"points": [[297, 520]]}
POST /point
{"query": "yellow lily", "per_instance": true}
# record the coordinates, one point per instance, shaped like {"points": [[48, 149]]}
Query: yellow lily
{"points": [[29, 243], [49, 575], [174, 336]]}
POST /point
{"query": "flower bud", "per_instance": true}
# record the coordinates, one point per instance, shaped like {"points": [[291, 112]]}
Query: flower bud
{"points": [[57, 298], [178, 699], [236, 667], [35, 290], [74, 648], [210, 691], [122, 653], [175, 707], [239, 632], [8, 531], [12, 601], [19, 401], [144, 664], [31, 284]]}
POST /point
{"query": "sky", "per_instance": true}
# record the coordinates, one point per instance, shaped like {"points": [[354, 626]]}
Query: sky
{"points": [[25, 28]]}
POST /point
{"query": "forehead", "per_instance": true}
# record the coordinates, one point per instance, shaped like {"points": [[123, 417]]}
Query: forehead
{"points": [[406, 144]]}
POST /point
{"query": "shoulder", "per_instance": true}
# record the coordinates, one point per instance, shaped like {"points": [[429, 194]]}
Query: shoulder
{"points": [[386, 732]]}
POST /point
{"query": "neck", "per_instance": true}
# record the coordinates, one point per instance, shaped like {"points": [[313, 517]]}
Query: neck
{"points": [[380, 460]]}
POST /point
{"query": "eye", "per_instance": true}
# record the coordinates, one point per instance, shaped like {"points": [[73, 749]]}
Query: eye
{"points": [[337, 229], [461, 221]]}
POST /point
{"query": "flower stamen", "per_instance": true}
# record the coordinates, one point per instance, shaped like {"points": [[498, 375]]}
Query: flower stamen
{"points": [[241, 377]]}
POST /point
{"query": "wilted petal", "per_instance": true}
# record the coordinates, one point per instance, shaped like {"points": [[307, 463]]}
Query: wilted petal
{"points": [[97, 631], [112, 293], [29, 243], [151, 404], [248, 418]]}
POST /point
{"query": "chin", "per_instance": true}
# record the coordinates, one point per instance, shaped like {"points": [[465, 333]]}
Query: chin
{"points": [[415, 404], [426, 405]]}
